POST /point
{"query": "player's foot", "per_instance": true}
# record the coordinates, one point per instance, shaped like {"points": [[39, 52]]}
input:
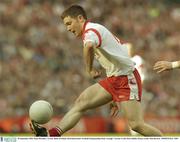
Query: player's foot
{"points": [[38, 130]]}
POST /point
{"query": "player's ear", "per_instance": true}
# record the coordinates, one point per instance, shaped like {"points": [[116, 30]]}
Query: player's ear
{"points": [[80, 18]]}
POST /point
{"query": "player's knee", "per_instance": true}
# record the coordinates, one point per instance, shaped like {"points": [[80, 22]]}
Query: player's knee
{"points": [[81, 104], [136, 125]]}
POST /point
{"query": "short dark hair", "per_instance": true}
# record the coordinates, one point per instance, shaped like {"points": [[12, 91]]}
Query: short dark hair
{"points": [[73, 11]]}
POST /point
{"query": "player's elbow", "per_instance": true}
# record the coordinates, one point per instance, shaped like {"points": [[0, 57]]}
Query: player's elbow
{"points": [[89, 46]]}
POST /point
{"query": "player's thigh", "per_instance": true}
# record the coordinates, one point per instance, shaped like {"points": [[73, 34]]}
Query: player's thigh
{"points": [[93, 97], [132, 110]]}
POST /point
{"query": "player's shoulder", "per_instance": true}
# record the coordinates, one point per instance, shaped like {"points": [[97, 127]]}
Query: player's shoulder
{"points": [[95, 26]]}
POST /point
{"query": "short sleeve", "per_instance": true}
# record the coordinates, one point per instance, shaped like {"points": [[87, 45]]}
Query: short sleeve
{"points": [[91, 36]]}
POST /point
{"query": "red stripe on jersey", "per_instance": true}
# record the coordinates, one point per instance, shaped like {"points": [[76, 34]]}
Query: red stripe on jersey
{"points": [[117, 39], [84, 27], [96, 32], [139, 83]]}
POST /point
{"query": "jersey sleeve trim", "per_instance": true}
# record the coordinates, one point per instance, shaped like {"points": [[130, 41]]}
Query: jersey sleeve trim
{"points": [[96, 32]]}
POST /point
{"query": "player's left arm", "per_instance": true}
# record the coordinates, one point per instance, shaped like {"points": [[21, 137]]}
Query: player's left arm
{"points": [[88, 53]]}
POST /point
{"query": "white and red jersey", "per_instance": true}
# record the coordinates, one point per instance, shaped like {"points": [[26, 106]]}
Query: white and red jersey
{"points": [[111, 54], [139, 64]]}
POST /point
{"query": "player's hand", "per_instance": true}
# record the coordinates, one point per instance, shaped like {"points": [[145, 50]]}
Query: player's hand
{"points": [[114, 109], [161, 66], [95, 73]]}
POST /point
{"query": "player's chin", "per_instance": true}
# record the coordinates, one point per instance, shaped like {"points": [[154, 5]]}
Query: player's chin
{"points": [[77, 34]]}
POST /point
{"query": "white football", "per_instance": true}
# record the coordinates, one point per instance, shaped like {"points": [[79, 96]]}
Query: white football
{"points": [[41, 111]]}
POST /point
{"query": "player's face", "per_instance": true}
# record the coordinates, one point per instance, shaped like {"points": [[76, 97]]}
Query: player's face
{"points": [[73, 25]]}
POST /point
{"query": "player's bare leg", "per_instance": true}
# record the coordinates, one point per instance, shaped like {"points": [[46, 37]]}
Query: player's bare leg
{"points": [[90, 98], [133, 112]]}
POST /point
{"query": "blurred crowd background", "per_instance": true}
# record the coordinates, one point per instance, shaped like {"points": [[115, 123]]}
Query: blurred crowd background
{"points": [[40, 60]]}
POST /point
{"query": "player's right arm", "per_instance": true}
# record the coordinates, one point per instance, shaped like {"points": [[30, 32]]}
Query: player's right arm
{"points": [[161, 66], [88, 53]]}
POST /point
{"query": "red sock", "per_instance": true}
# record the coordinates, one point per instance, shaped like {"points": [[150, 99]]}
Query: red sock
{"points": [[55, 132]]}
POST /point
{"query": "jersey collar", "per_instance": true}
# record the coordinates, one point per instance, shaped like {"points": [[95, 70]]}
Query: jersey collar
{"points": [[84, 26]]}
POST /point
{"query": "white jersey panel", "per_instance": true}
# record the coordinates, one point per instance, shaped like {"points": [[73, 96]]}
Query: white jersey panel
{"points": [[111, 54]]}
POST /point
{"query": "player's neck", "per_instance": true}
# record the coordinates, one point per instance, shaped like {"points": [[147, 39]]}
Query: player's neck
{"points": [[83, 25]]}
